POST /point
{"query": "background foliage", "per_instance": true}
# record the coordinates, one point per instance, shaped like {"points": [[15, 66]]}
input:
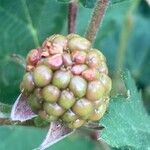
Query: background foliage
{"points": [[124, 38]]}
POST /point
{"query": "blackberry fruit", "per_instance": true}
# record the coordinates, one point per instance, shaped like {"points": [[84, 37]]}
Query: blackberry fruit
{"points": [[67, 80]]}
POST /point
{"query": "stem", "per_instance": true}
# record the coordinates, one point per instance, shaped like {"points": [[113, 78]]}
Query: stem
{"points": [[96, 20], [72, 11]]}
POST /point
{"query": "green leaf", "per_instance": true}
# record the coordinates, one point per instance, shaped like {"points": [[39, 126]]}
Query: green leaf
{"points": [[28, 138], [24, 25], [118, 1], [127, 124], [88, 3], [64, 1], [137, 44], [91, 3], [5, 110], [20, 138], [85, 3]]}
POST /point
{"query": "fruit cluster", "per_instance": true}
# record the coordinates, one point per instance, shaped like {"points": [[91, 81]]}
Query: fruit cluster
{"points": [[67, 80]]}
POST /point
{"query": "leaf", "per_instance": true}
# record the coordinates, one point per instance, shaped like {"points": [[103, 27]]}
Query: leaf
{"points": [[27, 138], [24, 26], [21, 110], [64, 1], [5, 110], [118, 1], [20, 137], [91, 3], [137, 44], [88, 3], [85, 3], [57, 132], [127, 124]]}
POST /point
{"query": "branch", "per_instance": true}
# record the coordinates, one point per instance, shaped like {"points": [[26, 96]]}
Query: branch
{"points": [[96, 19], [72, 11]]}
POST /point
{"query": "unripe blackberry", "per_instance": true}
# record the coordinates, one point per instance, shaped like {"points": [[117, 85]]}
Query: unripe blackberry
{"points": [[76, 124], [67, 61], [69, 116], [34, 102], [67, 80], [79, 43], [27, 83], [50, 93], [53, 62], [106, 81], [79, 57], [91, 74], [42, 76], [72, 35], [60, 40], [33, 57], [103, 68], [94, 58], [47, 117], [95, 90], [83, 108], [98, 113], [61, 79], [78, 86], [38, 93], [66, 99], [53, 109], [78, 69]]}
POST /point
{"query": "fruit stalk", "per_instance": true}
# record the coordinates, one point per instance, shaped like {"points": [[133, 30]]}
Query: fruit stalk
{"points": [[72, 11], [96, 19]]}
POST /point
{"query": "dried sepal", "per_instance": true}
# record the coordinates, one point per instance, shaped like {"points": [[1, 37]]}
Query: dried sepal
{"points": [[21, 111], [56, 132]]}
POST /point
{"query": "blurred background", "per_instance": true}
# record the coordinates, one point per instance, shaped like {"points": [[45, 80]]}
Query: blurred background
{"points": [[124, 38]]}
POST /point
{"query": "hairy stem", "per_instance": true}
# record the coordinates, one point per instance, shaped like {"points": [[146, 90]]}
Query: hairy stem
{"points": [[72, 11], [96, 19]]}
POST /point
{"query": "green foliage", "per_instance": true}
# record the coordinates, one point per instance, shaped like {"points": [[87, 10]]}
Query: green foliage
{"points": [[4, 110], [127, 124], [88, 3], [136, 40], [24, 25], [32, 22], [91, 3], [27, 138]]}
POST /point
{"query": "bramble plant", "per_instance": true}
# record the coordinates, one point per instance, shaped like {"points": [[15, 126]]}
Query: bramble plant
{"points": [[71, 81]]}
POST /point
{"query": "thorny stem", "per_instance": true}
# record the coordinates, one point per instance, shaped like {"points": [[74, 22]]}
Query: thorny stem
{"points": [[96, 19], [72, 11]]}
